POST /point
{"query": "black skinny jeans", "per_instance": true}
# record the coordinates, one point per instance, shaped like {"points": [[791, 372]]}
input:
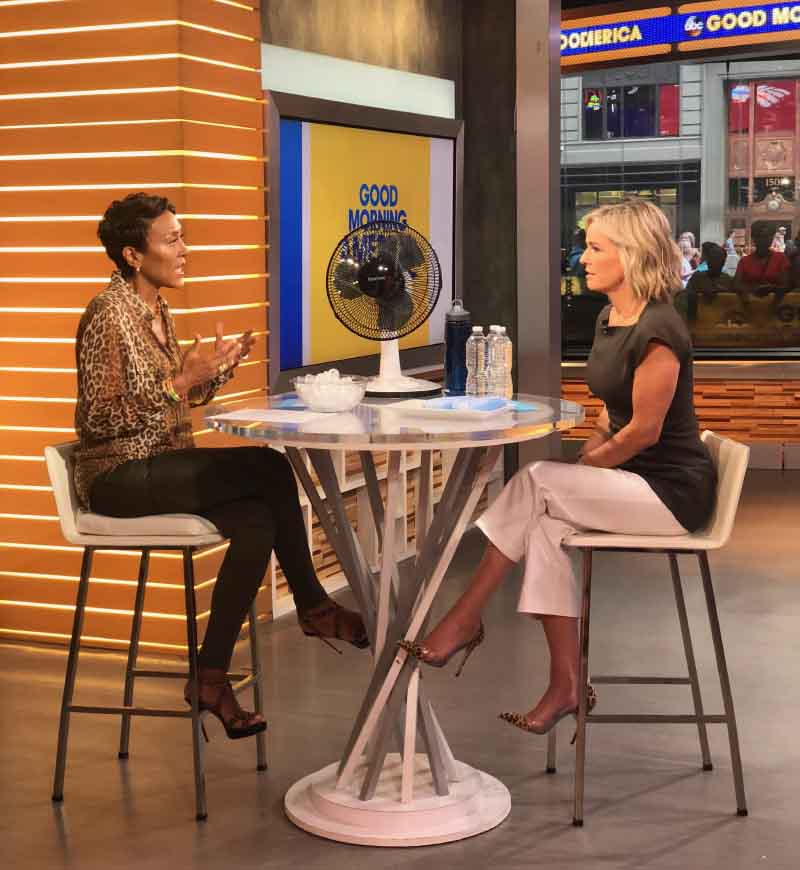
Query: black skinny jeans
{"points": [[250, 494]]}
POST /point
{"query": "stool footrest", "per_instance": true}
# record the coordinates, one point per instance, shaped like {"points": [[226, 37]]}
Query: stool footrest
{"points": [[177, 675], [243, 681], [641, 681], [648, 718], [130, 711]]}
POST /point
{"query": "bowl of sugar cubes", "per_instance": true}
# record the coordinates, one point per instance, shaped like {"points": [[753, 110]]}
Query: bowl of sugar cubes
{"points": [[330, 392]]}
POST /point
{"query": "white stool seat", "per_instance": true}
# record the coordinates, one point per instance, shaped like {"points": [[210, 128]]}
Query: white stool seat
{"points": [[730, 459], [607, 541], [89, 529], [155, 527]]}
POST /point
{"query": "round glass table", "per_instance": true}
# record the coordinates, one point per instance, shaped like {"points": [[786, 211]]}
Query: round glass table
{"points": [[383, 791]]}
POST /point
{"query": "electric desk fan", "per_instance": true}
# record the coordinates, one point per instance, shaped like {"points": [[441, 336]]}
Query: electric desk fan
{"points": [[383, 282]]}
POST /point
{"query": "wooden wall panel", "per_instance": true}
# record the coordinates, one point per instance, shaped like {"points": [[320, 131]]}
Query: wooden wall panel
{"points": [[164, 135], [238, 230], [213, 76], [743, 410], [185, 121], [214, 200]]}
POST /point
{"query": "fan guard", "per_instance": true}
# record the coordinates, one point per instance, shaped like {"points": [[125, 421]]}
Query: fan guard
{"points": [[383, 280]]}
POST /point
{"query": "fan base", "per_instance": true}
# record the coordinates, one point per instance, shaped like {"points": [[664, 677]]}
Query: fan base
{"points": [[402, 388]]}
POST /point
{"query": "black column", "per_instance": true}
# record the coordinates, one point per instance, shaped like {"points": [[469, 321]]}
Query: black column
{"points": [[488, 93]]}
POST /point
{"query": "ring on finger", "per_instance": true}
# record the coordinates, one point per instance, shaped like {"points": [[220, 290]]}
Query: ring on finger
{"points": [[222, 368]]}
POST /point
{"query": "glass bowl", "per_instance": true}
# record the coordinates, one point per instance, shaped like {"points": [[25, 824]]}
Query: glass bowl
{"points": [[330, 396]]}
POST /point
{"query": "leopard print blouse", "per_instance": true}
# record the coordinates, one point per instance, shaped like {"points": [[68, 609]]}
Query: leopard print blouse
{"points": [[124, 411]]}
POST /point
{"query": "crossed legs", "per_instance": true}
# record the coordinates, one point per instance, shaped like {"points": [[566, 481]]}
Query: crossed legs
{"points": [[462, 621], [543, 504]]}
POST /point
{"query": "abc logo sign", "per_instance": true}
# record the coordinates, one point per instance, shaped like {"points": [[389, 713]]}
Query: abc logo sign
{"points": [[744, 20], [694, 26]]}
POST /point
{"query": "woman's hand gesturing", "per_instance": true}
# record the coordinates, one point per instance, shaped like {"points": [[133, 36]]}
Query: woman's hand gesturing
{"points": [[199, 369], [235, 349]]}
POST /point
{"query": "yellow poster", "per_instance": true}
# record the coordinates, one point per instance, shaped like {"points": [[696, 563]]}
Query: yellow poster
{"points": [[356, 176]]}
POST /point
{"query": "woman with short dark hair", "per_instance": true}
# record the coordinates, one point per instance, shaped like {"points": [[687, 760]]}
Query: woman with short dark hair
{"points": [[137, 455]]}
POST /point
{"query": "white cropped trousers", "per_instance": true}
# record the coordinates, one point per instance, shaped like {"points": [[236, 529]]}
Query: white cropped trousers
{"points": [[546, 502]]}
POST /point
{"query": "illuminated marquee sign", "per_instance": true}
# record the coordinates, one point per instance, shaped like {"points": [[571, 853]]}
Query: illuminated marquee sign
{"points": [[740, 25], [680, 28], [648, 32]]}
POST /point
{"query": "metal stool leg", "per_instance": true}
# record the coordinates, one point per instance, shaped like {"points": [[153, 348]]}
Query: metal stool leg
{"points": [[583, 689], [258, 702], [191, 636], [690, 661], [725, 684], [72, 669], [133, 653]]}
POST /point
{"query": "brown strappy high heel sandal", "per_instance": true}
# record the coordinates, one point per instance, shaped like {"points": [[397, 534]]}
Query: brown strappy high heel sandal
{"points": [[236, 721], [420, 652], [330, 619], [543, 726]]}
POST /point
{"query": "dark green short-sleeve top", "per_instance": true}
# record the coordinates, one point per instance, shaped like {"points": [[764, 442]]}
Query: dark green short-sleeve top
{"points": [[677, 467]]}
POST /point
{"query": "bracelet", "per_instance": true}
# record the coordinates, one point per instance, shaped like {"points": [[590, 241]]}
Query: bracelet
{"points": [[169, 388]]}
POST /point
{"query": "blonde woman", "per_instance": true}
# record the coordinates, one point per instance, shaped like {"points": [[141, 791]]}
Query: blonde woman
{"points": [[643, 471]]}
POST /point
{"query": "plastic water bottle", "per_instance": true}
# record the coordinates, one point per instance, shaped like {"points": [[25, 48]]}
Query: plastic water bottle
{"points": [[476, 362], [496, 362], [508, 362]]}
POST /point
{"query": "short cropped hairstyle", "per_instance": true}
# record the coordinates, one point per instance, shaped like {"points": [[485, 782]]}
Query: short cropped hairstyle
{"points": [[126, 224], [641, 233], [715, 255]]}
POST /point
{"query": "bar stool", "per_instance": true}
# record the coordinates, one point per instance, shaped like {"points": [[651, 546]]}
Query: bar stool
{"points": [[730, 459], [186, 533]]}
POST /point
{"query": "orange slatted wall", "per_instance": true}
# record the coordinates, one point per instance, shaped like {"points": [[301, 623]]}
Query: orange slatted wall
{"points": [[98, 100]]}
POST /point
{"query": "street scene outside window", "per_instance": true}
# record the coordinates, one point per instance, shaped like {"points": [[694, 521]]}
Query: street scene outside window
{"points": [[716, 146]]}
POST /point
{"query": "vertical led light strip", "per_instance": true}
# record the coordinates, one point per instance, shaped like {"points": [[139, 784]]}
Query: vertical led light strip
{"points": [[185, 118]]}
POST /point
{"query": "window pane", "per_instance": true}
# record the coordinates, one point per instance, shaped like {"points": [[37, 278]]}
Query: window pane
{"points": [[756, 152], [668, 110], [739, 107], [593, 113], [639, 111], [585, 197], [737, 192], [607, 197], [613, 113], [775, 102]]}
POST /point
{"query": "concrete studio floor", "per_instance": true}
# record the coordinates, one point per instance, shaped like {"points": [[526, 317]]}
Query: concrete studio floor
{"points": [[648, 804]]}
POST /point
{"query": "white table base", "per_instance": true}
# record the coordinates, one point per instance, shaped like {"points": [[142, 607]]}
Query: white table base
{"points": [[375, 795], [477, 802]]}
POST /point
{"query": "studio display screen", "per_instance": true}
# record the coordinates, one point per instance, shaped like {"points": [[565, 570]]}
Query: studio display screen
{"points": [[332, 180]]}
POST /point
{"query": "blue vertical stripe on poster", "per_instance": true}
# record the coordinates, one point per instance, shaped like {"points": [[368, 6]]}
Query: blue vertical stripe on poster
{"points": [[291, 252]]}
